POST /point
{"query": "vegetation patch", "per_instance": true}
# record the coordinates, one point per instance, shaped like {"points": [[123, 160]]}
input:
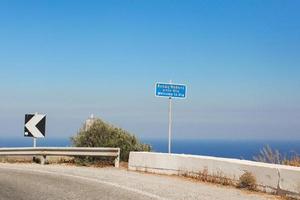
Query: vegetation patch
{"points": [[247, 181], [102, 134], [204, 176], [16, 159], [269, 155]]}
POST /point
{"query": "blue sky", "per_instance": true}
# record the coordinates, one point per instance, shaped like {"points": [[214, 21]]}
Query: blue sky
{"points": [[68, 59]]}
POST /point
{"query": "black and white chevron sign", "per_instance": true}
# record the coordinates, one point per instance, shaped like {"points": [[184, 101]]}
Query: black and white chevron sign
{"points": [[35, 125]]}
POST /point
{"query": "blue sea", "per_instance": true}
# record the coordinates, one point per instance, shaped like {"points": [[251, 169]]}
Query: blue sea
{"points": [[241, 149]]}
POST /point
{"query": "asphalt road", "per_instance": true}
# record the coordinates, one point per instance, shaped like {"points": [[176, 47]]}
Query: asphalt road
{"points": [[20, 185], [31, 181]]}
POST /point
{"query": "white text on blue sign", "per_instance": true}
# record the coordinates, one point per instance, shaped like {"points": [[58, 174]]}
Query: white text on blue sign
{"points": [[170, 90]]}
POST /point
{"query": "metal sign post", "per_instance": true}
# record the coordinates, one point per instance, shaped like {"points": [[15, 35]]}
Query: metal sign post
{"points": [[35, 127], [170, 90], [34, 142], [34, 146], [170, 123], [34, 138]]}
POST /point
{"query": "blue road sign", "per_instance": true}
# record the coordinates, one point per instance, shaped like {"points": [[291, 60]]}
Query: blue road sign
{"points": [[170, 90]]}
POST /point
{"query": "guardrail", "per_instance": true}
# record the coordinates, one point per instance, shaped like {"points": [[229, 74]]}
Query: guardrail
{"points": [[62, 151]]}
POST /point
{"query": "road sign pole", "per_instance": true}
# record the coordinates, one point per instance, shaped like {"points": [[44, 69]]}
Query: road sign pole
{"points": [[170, 123], [171, 91], [34, 142], [34, 138]]}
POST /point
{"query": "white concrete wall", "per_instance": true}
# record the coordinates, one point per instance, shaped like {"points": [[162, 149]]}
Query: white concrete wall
{"points": [[270, 178]]}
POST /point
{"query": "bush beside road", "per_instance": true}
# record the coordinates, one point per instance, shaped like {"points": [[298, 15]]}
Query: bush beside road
{"points": [[102, 134]]}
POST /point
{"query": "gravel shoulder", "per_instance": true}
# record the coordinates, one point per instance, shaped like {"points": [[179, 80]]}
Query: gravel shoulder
{"points": [[115, 182]]}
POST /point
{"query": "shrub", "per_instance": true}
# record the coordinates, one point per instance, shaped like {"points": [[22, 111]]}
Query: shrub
{"points": [[248, 181], [102, 134]]}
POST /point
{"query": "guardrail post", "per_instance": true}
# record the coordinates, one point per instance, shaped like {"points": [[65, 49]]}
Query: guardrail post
{"points": [[117, 160], [43, 160]]}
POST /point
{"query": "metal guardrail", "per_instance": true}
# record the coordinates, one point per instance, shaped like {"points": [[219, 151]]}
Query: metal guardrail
{"points": [[62, 151]]}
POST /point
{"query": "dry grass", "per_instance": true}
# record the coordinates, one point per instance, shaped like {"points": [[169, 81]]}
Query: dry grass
{"points": [[293, 161], [204, 176], [268, 155], [218, 178], [16, 159], [53, 160], [247, 181]]}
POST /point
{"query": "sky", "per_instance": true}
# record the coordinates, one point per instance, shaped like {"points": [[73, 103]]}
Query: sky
{"points": [[70, 59]]}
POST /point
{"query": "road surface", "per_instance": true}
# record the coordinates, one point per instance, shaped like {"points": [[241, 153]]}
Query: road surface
{"points": [[52, 182]]}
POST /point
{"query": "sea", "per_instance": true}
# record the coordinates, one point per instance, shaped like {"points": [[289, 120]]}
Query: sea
{"points": [[240, 149]]}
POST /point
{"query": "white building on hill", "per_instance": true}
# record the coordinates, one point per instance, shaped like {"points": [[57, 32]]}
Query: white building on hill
{"points": [[89, 122]]}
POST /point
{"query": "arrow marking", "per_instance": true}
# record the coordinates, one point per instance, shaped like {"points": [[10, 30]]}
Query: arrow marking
{"points": [[31, 125]]}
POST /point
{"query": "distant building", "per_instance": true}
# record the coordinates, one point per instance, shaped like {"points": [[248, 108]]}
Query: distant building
{"points": [[89, 122]]}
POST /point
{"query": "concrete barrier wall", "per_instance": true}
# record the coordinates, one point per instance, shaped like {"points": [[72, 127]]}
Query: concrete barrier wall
{"points": [[270, 178]]}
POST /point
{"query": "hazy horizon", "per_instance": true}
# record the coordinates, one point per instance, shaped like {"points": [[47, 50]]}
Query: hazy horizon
{"points": [[240, 61]]}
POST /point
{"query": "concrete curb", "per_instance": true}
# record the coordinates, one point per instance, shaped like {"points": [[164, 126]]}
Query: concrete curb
{"points": [[271, 178]]}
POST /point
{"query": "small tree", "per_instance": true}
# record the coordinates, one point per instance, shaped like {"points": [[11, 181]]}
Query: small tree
{"points": [[102, 134]]}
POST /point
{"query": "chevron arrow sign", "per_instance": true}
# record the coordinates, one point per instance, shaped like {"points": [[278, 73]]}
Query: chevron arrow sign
{"points": [[35, 125]]}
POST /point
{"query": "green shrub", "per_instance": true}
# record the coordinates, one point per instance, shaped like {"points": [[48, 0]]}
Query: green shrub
{"points": [[247, 181], [102, 134]]}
